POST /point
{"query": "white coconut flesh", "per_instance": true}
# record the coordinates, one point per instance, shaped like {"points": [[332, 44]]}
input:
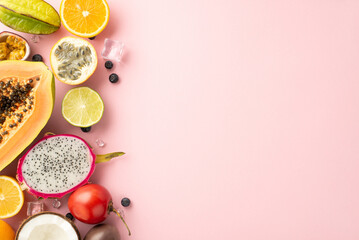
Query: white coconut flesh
{"points": [[57, 164], [73, 60], [47, 226]]}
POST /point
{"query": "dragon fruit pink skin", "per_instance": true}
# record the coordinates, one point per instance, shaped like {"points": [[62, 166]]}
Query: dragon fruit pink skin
{"points": [[49, 159]]}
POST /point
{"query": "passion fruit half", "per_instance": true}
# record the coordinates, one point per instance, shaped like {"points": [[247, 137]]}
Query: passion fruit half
{"points": [[13, 47], [73, 60], [52, 225]]}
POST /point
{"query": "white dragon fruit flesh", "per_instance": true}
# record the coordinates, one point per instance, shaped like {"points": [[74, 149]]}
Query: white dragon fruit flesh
{"points": [[58, 165]]}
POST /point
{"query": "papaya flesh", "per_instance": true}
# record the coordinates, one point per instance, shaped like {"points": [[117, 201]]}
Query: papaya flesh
{"points": [[27, 92], [29, 16]]}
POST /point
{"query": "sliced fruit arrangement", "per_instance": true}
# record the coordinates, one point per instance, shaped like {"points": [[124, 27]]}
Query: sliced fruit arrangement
{"points": [[47, 225], [29, 16], [7, 233], [73, 60], [27, 92], [11, 197], [13, 47], [66, 163], [82, 107], [57, 164], [84, 18]]}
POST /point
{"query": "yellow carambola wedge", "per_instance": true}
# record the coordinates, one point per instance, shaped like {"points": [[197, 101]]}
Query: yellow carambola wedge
{"points": [[29, 16]]}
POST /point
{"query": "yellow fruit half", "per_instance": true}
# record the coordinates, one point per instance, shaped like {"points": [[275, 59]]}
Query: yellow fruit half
{"points": [[11, 197], [84, 18], [6, 232], [82, 107], [73, 60]]}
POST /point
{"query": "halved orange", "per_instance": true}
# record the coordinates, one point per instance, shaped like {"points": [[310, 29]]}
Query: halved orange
{"points": [[6, 232], [84, 18], [11, 197]]}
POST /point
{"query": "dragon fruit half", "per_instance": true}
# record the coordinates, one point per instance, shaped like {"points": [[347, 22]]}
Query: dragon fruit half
{"points": [[58, 165]]}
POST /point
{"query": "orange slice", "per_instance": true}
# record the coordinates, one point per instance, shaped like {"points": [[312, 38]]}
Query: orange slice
{"points": [[11, 197], [84, 18]]}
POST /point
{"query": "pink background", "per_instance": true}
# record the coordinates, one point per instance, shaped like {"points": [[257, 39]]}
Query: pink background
{"points": [[239, 119]]}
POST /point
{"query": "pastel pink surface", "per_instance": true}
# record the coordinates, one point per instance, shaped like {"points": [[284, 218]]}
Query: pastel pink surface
{"points": [[239, 119]]}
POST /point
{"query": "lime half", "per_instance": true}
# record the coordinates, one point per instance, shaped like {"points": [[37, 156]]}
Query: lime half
{"points": [[82, 107]]}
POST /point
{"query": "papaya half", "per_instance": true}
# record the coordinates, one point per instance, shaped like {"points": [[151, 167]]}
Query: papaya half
{"points": [[29, 16], [27, 95]]}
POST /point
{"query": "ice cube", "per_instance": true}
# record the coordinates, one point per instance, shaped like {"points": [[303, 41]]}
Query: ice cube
{"points": [[113, 50], [56, 203], [35, 38], [34, 207], [100, 142]]}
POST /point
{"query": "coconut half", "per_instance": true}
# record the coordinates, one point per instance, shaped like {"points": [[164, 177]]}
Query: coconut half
{"points": [[73, 60], [47, 225]]}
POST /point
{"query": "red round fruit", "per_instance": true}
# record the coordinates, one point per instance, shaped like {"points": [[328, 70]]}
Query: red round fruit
{"points": [[90, 203]]}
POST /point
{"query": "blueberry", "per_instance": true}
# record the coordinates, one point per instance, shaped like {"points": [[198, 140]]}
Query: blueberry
{"points": [[86, 129], [108, 64], [37, 58], [69, 216], [113, 78], [125, 202], [92, 38]]}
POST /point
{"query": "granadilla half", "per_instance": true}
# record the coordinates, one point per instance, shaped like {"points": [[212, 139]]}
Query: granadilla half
{"points": [[73, 60]]}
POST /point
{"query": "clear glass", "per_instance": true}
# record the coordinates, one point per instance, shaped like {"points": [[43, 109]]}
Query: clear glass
{"points": [[34, 207], [113, 50], [100, 143]]}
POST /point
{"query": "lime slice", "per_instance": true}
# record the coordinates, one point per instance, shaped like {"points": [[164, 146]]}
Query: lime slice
{"points": [[82, 107]]}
